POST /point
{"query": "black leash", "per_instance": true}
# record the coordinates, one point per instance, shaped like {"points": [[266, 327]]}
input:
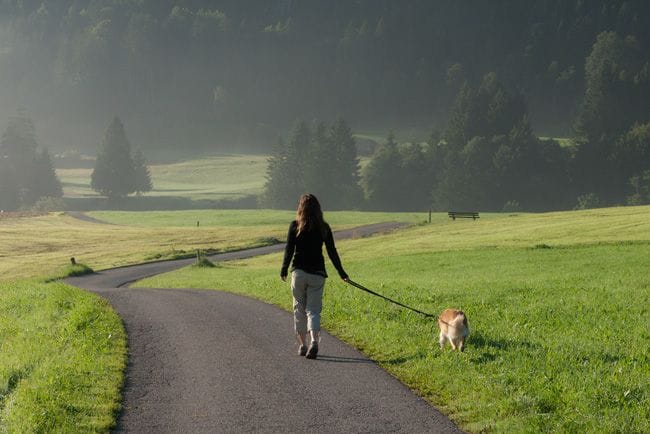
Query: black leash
{"points": [[363, 288]]}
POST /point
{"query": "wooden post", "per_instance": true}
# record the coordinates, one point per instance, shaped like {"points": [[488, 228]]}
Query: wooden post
{"points": [[197, 223], [429, 215]]}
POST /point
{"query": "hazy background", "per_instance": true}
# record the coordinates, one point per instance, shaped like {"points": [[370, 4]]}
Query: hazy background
{"points": [[235, 74]]}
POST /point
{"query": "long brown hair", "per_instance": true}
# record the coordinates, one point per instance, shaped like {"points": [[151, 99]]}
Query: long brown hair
{"points": [[310, 215]]}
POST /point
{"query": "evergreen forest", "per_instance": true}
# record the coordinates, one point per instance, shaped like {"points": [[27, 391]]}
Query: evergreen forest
{"points": [[489, 82]]}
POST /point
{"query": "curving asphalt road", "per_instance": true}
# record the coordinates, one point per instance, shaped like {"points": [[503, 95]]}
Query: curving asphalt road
{"points": [[210, 361]]}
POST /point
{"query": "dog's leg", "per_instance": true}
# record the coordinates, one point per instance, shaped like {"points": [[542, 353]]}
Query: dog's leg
{"points": [[462, 344], [442, 340]]}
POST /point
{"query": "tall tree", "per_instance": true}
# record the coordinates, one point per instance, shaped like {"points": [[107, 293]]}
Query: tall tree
{"points": [[344, 182], [18, 147], [319, 168], [276, 171], [45, 181], [141, 173], [285, 176], [382, 176], [27, 173], [617, 76], [319, 160], [9, 199], [114, 173], [491, 157]]}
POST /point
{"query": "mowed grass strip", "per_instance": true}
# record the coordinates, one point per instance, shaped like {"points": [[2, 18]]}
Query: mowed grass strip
{"points": [[62, 357], [557, 303]]}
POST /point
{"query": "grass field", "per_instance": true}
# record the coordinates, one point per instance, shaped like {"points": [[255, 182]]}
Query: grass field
{"points": [[215, 177], [62, 356], [270, 220], [42, 245], [62, 350], [557, 303]]}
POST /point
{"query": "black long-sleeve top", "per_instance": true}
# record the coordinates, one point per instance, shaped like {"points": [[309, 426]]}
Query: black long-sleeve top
{"points": [[307, 251]]}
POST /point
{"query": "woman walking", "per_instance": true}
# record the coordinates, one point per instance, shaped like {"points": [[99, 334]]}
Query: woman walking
{"points": [[305, 245]]}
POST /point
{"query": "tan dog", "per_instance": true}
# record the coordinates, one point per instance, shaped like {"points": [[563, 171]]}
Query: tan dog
{"points": [[453, 328]]}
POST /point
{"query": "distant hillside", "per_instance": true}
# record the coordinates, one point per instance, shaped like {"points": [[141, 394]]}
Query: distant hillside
{"points": [[197, 72]]}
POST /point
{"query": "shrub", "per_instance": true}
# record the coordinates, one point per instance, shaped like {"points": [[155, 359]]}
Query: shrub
{"points": [[76, 270], [512, 206], [48, 204], [588, 201]]}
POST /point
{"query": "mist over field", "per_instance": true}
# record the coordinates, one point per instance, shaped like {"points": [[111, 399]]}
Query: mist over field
{"points": [[197, 77], [487, 156], [205, 73]]}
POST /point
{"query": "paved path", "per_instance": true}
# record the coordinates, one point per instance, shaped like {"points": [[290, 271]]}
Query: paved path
{"points": [[210, 361]]}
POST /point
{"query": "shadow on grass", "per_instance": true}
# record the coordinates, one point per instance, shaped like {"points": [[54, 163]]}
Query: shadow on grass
{"points": [[478, 340], [489, 348], [395, 361]]}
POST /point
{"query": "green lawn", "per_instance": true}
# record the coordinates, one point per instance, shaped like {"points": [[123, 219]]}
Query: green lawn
{"points": [[557, 304], [216, 177], [62, 357]]}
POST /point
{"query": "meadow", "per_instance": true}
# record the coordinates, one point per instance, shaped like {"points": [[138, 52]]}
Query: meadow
{"points": [[226, 176], [62, 350], [557, 304], [62, 357], [41, 245]]}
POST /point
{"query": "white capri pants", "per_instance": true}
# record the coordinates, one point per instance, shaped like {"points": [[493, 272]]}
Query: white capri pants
{"points": [[307, 290]]}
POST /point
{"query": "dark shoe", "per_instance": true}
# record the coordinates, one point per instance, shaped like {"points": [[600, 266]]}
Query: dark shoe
{"points": [[312, 351], [302, 350]]}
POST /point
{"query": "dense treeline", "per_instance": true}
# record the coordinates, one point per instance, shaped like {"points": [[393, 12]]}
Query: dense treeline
{"points": [[488, 157], [26, 171], [490, 77], [196, 70], [317, 159]]}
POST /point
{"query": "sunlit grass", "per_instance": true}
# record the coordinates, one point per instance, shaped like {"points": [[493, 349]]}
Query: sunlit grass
{"points": [[246, 218], [62, 356], [557, 303], [42, 245]]}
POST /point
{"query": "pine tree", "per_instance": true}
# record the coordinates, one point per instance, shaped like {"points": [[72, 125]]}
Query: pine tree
{"points": [[142, 175], [382, 176], [345, 166], [9, 199], [285, 179], [26, 174], [318, 170], [275, 171], [114, 173], [18, 148], [45, 182]]}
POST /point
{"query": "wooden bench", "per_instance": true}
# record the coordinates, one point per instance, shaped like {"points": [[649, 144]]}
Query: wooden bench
{"points": [[463, 215]]}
